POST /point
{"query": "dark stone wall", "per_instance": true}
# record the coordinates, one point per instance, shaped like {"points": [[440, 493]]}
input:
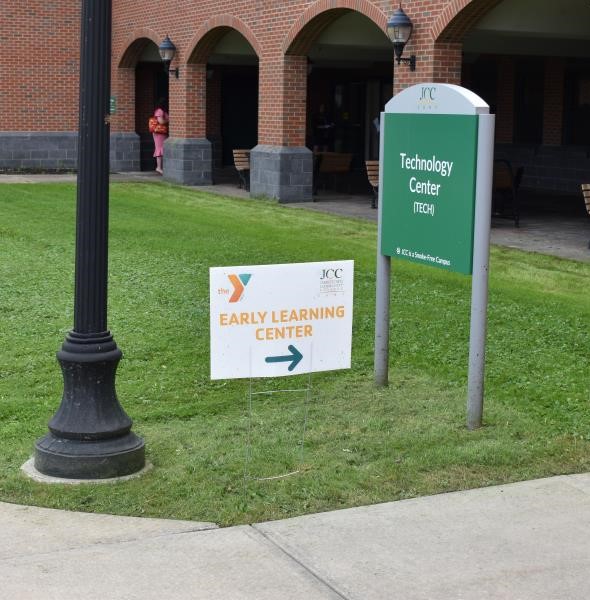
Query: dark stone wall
{"points": [[58, 151], [124, 152], [30, 151], [188, 161], [282, 172]]}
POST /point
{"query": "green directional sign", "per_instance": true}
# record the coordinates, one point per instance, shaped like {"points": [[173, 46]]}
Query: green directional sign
{"points": [[428, 189]]}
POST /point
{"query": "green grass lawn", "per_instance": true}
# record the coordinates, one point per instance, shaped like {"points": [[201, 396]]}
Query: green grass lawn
{"points": [[362, 444]]}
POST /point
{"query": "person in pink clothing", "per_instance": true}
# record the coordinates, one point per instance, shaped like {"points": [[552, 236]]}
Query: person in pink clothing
{"points": [[159, 138]]}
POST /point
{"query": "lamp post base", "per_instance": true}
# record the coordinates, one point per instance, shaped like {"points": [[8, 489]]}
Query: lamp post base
{"points": [[76, 459], [90, 435]]}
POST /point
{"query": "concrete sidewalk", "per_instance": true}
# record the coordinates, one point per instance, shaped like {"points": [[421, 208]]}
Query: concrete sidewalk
{"points": [[523, 541], [72, 177]]}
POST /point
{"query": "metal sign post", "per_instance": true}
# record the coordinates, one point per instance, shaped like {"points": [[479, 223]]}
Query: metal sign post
{"points": [[434, 204], [288, 458], [481, 261]]}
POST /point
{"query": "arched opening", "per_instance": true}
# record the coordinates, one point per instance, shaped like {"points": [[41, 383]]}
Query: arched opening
{"points": [[350, 78], [533, 67], [232, 96], [151, 84]]}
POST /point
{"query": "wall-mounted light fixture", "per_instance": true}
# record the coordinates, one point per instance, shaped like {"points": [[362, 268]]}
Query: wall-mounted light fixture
{"points": [[399, 30], [167, 51]]}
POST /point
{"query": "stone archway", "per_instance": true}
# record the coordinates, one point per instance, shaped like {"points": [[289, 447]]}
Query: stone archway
{"points": [[318, 16], [212, 31], [341, 74], [229, 52], [189, 153], [130, 145], [458, 17], [140, 82]]}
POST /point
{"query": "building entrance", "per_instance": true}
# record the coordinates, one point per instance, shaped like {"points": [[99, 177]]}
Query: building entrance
{"points": [[239, 109], [343, 111], [350, 78]]}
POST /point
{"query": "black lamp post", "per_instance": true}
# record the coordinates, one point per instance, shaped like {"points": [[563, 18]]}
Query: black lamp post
{"points": [[167, 51], [399, 30], [90, 434]]}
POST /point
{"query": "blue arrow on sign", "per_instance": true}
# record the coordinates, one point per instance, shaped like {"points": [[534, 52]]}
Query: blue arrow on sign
{"points": [[294, 358]]}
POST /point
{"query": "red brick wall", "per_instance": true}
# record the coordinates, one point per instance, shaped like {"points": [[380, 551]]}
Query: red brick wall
{"points": [[39, 44], [214, 103], [188, 102], [454, 18], [282, 113], [281, 33], [40, 48], [123, 88], [41, 73], [192, 26]]}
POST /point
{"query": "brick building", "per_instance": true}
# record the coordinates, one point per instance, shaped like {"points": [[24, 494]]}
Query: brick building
{"points": [[260, 74]]}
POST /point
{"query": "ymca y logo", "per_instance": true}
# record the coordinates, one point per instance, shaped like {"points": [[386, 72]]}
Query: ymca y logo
{"points": [[239, 282]]}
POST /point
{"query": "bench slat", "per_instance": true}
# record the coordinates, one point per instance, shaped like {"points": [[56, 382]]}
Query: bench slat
{"points": [[586, 194], [241, 159], [335, 162], [372, 172]]}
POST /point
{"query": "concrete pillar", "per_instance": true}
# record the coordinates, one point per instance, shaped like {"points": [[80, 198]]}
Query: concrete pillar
{"points": [[187, 152], [214, 115], [124, 152], [281, 166], [188, 161], [282, 172], [124, 142]]}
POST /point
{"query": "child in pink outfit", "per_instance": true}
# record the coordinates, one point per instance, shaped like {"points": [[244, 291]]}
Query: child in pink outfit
{"points": [[159, 138]]}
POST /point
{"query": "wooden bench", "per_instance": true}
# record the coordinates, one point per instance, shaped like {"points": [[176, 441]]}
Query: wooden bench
{"points": [[586, 194], [505, 190], [333, 164], [372, 167], [242, 164]]}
